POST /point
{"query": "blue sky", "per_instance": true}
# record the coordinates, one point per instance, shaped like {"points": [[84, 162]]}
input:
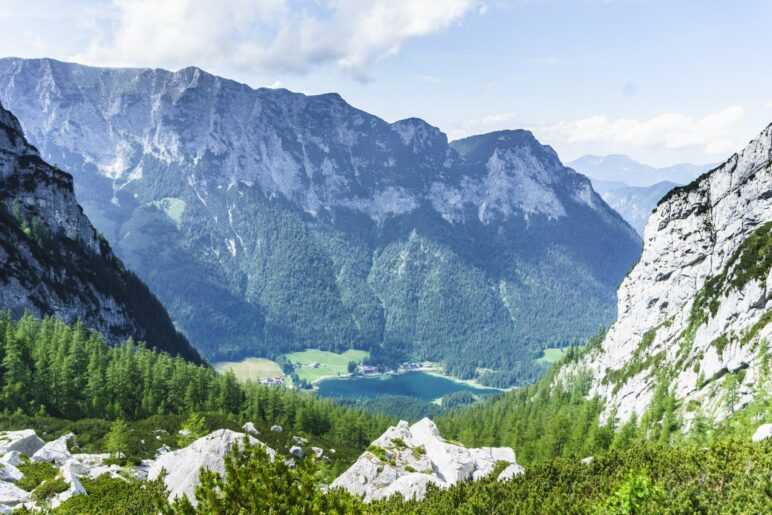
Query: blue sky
{"points": [[664, 81]]}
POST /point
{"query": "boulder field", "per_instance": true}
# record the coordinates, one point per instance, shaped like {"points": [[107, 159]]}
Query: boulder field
{"points": [[406, 459]]}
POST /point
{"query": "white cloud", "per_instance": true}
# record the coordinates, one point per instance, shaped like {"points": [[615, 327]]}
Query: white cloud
{"points": [[278, 35], [484, 124], [768, 104], [673, 131]]}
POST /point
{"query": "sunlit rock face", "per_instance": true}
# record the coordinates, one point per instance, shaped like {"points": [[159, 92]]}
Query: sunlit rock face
{"points": [[695, 310], [406, 459]]}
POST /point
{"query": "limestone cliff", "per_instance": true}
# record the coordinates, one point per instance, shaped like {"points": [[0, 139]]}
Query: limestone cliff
{"points": [[694, 312], [53, 262]]}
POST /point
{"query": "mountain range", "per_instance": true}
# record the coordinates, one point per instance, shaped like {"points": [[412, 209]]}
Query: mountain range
{"points": [[624, 169], [53, 262], [632, 188], [269, 221]]}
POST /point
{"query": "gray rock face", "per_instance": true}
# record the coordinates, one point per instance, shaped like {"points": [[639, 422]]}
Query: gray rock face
{"points": [[26, 441], [229, 182], [55, 451], [49, 250], [183, 466], [690, 307], [406, 459], [11, 495], [69, 473], [8, 471]]}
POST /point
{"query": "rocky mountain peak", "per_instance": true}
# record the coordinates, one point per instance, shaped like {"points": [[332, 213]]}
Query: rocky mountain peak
{"points": [[420, 136]]}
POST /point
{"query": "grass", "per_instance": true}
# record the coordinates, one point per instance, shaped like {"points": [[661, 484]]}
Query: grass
{"points": [[330, 363], [250, 368], [552, 354], [173, 207]]}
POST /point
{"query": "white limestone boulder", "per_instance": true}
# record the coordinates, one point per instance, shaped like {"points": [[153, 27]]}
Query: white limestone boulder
{"points": [[113, 470], [763, 432], [69, 473], [406, 459], [10, 473], [8, 470], [486, 458], [54, 451], [297, 452], [249, 427], [276, 429], [12, 458], [162, 450], [510, 472], [410, 486], [91, 460], [26, 442], [11, 495], [183, 466]]}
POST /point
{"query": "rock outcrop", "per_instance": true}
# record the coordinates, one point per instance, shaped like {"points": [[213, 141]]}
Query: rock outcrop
{"points": [[53, 261], [694, 313], [183, 466], [407, 459], [25, 442], [55, 451], [763, 432], [69, 474], [11, 495]]}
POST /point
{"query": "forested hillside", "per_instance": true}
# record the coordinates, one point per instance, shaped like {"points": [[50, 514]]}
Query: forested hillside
{"points": [[269, 221], [58, 376]]}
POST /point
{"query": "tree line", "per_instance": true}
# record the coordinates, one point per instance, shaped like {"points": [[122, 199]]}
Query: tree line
{"points": [[49, 368]]}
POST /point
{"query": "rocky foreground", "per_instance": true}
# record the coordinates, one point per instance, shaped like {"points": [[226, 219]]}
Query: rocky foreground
{"points": [[404, 460], [407, 459]]}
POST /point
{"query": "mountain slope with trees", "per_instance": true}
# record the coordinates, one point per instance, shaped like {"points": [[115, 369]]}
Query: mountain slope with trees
{"points": [[269, 221], [53, 262]]}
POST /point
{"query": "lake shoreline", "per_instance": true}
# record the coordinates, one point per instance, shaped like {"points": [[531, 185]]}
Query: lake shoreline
{"points": [[426, 384]]}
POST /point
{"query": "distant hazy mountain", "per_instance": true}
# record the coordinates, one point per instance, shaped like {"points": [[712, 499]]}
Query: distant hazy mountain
{"points": [[53, 262], [633, 188], [633, 203], [270, 221], [620, 168]]}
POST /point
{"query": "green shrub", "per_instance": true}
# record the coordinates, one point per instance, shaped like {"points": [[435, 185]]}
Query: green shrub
{"points": [[116, 497], [254, 484], [35, 474], [48, 489]]}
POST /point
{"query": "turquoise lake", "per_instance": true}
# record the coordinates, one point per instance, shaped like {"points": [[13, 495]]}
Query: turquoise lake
{"points": [[413, 384]]}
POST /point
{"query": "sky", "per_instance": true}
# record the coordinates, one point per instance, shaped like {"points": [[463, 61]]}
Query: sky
{"points": [[664, 81]]}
